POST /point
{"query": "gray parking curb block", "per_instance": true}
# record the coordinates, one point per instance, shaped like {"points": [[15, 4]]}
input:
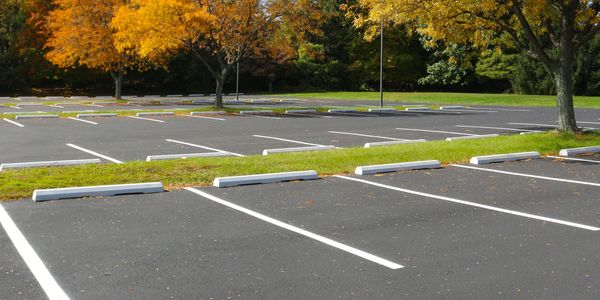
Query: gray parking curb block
{"points": [[56, 163], [389, 143], [36, 117], [253, 112], [415, 165], [480, 160], [95, 115], [149, 114], [95, 191], [472, 137], [452, 107], [222, 182], [187, 155], [417, 109], [382, 109], [104, 102], [298, 149], [581, 150], [300, 111], [342, 110], [195, 113]]}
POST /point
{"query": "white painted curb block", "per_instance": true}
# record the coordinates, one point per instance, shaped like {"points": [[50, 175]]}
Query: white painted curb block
{"points": [[36, 117], [300, 111], [95, 115], [195, 113], [342, 110], [382, 109], [575, 151], [480, 160], [252, 112], [103, 102], [298, 149], [417, 108], [30, 104], [95, 191], [148, 114], [264, 178], [452, 107], [186, 155], [471, 137], [55, 163], [529, 132], [389, 143], [415, 165]]}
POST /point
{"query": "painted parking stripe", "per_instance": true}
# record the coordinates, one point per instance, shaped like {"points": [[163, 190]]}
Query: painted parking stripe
{"points": [[437, 131], [499, 128], [586, 122], [474, 204], [285, 140], [13, 122], [146, 119], [82, 120], [534, 124], [306, 233], [502, 109], [95, 153], [31, 258], [574, 159], [527, 175], [203, 147], [367, 135], [208, 118]]}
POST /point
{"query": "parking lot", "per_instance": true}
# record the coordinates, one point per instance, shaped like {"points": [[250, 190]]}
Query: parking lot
{"points": [[524, 229]]}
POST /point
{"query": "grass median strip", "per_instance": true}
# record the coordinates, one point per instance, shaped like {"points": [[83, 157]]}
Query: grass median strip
{"points": [[16, 184]]}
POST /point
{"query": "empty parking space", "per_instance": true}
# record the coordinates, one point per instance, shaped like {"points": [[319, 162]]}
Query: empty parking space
{"points": [[178, 245]]}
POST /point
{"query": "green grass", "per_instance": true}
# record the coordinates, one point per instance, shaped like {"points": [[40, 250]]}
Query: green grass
{"points": [[16, 184], [454, 98]]}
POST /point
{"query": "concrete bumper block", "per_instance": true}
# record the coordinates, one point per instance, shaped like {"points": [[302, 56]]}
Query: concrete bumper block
{"points": [[480, 160], [96, 191], [415, 165], [265, 178]]}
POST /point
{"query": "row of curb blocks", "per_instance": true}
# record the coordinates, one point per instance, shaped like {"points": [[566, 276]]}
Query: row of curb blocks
{"points": [[221, 182]]}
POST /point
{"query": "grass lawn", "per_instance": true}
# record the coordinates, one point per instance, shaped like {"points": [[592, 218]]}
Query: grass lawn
{"points": [[454, 98], [16, 184]]}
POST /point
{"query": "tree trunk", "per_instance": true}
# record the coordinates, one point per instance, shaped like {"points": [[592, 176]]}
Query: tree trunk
{"points": [[118, 78], [564, 101], [220, 79]]}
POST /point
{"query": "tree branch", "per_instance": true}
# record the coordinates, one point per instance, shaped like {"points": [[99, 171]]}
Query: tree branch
{"points": [[533, 40]]}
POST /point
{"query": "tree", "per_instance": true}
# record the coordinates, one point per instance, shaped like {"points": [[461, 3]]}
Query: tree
{"points": [[219, 32], [80, 35], [550, 31]]}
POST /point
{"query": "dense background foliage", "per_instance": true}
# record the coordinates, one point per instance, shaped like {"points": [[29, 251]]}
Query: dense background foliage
{"points": [[341, 59]]}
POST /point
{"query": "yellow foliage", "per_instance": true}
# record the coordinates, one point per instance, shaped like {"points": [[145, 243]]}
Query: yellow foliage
{"points": [[80, 35]]}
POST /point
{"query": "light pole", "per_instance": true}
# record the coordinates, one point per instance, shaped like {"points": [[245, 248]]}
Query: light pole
{"points": [[381, 69], [237, 82]]}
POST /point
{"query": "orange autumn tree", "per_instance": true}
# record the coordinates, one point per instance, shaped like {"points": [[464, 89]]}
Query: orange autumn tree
{"points": [[550, 31], [219, 32], [80, 35]]}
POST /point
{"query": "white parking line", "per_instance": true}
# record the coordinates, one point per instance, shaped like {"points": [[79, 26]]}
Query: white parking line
{"points": [[15, 107], [57, 106], [285, 140], [95, 154], [437, 131], [586, 122], [84, 121], [13, 122], [31, 258], [204, 147], [488, 207], [499, 128], [208, 118], [306, 233], [534, 124], [367, 135], [574, 159], [503, 109], [527, 175], [146, 119]]}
